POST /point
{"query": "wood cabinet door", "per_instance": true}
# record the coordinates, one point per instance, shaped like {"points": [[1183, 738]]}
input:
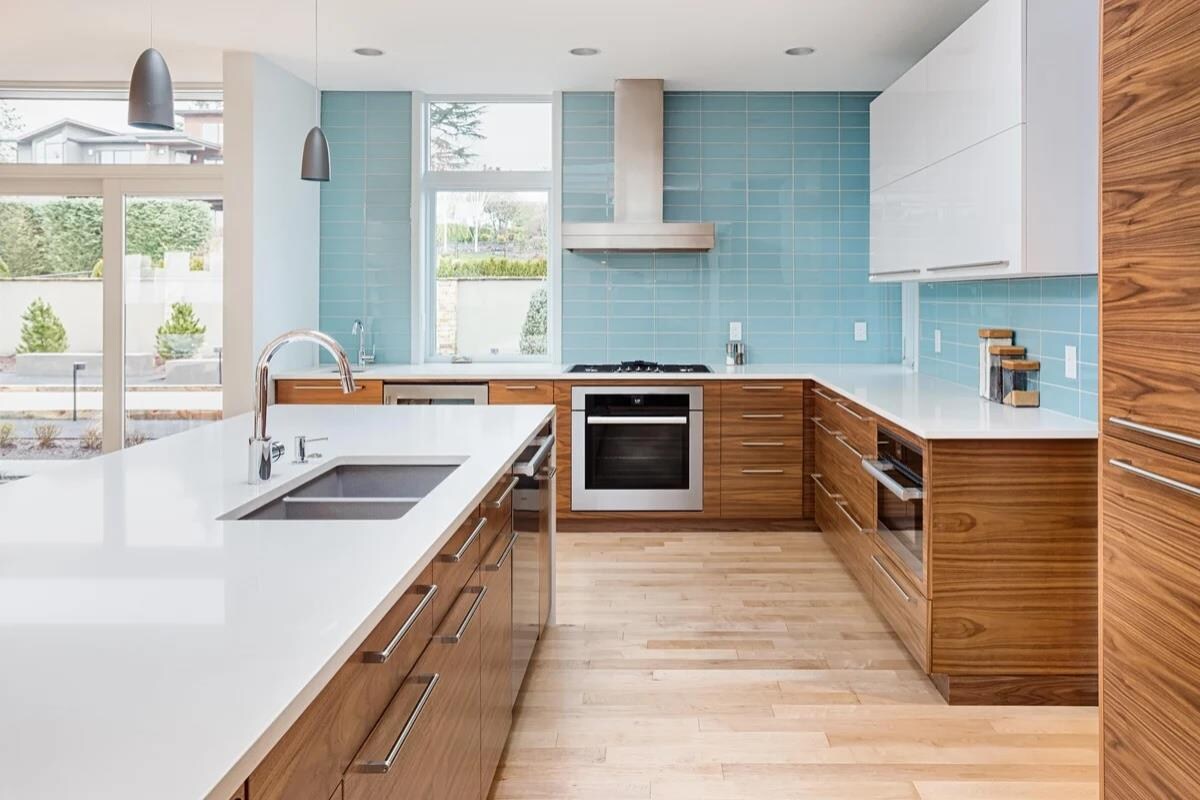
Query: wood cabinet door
{"points": [[455, 746], [1150, 276], [520, 392], [1150, 706], [495, 677], [323, 391]]}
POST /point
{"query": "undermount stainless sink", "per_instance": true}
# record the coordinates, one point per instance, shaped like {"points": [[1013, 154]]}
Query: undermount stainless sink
{"points": [[354, 491]]}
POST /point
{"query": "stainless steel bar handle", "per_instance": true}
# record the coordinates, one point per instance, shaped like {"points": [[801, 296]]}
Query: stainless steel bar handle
{"points": [[547, 475], [818, 421], [850, 411], [637, 420], [381, 656], [334, 387], [878, 470], [972, 265], [521, 387], [820, 485], [388, 761], [503, 556], [457, 636], [762, 416], [462, 551], [762, 444], [824, 396], [499, 501], [1154, 476], [841, 504], [529, 468], [1170, 436], [879, 565], [850, 447], [762, 471], [881, 273], [772, 387]]}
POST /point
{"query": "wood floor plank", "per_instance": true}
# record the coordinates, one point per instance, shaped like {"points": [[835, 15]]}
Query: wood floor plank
{"points": [[748, 666]]}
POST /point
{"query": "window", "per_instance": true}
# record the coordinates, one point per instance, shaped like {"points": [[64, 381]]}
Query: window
{"points": [[487, 248], [42, 126]]}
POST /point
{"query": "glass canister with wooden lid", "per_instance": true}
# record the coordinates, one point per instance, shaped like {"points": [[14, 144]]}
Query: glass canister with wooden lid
{"points": [[1021, 383], [988, 338], [997, 354]]}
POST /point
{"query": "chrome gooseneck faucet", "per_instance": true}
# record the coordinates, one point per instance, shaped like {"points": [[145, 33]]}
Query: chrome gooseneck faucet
{"points": [[262, 449], [360, 330]]}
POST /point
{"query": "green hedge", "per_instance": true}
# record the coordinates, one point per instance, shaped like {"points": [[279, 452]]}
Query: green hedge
{"points": [[491, 267]]}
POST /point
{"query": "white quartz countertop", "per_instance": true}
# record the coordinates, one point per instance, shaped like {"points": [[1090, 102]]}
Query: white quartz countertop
{"points": [[929, 407], [149, 650]]}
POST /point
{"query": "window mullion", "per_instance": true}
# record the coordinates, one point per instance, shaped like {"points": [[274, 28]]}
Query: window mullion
{"points": [[113, 334]]}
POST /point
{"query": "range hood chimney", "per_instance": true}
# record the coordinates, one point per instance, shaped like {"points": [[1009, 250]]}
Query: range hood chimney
{"points": [[638, 184]]}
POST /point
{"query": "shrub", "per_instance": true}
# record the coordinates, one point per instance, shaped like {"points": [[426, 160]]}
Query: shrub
{"points": [[492, 267], [182, 334], [92, 438], [4, 272], [134, 438], [98, 269], [41, 330], [46, 434], [6, 434], [196, 264], [533, 332]]}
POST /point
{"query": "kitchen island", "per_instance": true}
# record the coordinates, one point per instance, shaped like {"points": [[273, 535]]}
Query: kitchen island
{"points": [[152, 649]]}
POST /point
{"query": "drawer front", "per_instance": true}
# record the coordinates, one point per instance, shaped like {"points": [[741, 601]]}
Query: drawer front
{"points": [[902, 605], [739, 396], [852, 542], [497, 509], [841, 465], [496, 657], [740, 450], [457, 647], [454, 565], [762, 490], [519, 392], [846, 418], [826, 512], [398, 640], [1151, 561], [744, 422], [327, 392]]}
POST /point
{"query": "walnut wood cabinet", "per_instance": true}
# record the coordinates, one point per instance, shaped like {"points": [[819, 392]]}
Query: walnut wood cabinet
{"points": [[1150, 399], [322, 391]]}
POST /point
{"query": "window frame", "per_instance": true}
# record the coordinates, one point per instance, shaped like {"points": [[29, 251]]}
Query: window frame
{"points": [[426, 185]]}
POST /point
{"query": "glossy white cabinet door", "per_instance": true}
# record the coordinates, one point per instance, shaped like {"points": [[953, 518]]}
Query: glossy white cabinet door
{"points": [[900, 128], [975, 80]]}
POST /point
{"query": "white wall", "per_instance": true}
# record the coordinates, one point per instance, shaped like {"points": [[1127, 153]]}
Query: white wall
{"points": [[272, 219]]}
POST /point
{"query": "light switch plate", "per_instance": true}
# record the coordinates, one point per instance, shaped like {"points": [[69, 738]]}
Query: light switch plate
{"points": [[1072, 359], [937, 340], [735, 331], [860, 331]]}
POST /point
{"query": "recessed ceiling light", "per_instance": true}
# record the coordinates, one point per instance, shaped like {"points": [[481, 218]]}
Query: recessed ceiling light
{"points": [[584, 51], [368, 51], [800, 51]]}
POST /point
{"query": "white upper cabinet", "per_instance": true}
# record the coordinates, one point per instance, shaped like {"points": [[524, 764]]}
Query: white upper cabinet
{"points": [[984, 155]]}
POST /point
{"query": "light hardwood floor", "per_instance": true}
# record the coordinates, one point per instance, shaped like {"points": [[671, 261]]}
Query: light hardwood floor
{"points": [[734, 666]]}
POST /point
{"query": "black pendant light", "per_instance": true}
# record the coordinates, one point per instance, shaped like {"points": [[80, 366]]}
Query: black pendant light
{"points": [[314, 163], [151, 95]]}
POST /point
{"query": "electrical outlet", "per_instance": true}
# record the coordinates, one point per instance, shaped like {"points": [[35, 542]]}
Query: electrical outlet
{"points": [[735, 331], [1072, 359], [937, 340], [860, 331]]}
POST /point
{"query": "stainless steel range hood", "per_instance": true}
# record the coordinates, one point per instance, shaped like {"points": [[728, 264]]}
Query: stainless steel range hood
{"points": [[638, 184]]}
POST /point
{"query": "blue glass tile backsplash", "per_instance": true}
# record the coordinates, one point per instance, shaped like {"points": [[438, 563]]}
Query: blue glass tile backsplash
{"points": [[1046, 315], [785, 178], [366, 248]]}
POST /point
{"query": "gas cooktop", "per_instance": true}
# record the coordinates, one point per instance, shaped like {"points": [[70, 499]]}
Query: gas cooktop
{"points": [[640, 366]]}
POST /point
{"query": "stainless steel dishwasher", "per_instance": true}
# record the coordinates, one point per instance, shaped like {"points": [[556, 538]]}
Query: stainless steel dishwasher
{"points": [[533, 552]]}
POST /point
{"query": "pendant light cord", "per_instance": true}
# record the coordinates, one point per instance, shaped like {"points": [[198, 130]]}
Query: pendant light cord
{"points": [[151, 23], [317, 57]]}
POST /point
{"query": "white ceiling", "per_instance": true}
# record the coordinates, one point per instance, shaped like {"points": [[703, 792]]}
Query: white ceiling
{"points": [[490, 45]]}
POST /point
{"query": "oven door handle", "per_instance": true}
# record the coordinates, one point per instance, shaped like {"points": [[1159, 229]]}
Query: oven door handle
{"points": [[637, 420], [878, 470]]}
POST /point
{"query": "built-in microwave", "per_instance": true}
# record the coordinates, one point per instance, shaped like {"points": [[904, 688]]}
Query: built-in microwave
{"points": [[900, 491], [637, 448]]}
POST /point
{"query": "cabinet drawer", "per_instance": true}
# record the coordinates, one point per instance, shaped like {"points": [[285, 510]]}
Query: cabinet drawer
{"points": [[739, 450], [846, 418], [519, 392], [852, 543], [903, 606], [457, 652], [327, 392], [739, 396], [454, 565], [497, 509], [762, 489], [762, 422], [841, 465], [496, 657]]}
